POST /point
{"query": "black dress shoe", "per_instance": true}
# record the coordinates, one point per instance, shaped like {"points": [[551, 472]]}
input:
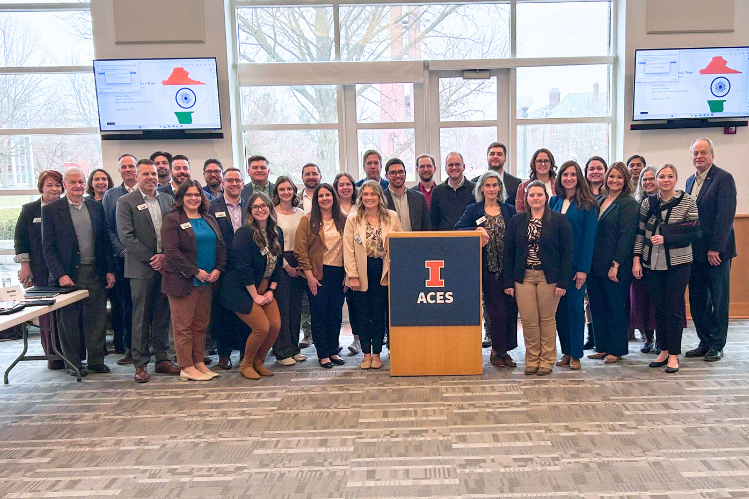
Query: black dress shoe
{"points": [[646, 347], [672, 370], [339, 361], [713, 355], [697, 352], [81, 369], [326, 365], [656, 363], [656, 350], [99, 368]]}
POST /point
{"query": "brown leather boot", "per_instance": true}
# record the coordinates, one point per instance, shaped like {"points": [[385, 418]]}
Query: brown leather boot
{"points": [[261, 369], [246, 369]]}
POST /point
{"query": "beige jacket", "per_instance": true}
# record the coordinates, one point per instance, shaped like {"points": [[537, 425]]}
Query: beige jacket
{"points": [[355, 253]]}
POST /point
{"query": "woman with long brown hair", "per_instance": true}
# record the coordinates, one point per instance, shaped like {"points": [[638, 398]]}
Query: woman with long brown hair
{"points": [[544, 170]]}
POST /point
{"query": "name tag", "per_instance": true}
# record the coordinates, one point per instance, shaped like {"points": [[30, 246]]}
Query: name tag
{"points": [[37, 221], [264, 252], [142, 207], [220, 214], [186, 225], [357, 238], [481, 220]]}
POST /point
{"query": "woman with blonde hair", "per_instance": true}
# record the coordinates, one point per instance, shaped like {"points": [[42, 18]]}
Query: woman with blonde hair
{"points": [[366, 265]]}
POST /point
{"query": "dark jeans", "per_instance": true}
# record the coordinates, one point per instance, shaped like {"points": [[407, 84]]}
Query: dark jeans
{"points": [[571, 320], [122, 308], [709, 295], [668, 287], [609, 311], [289, 294], [503, 314], [326, 311], [372, 309], [88, 316]]}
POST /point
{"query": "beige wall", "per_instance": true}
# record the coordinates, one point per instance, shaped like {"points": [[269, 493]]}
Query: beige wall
{"points": [[214, 46], [672, 146]]}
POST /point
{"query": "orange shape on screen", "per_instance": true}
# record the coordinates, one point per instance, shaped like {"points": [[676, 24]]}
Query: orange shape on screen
{"points": [[718, 66], [180, 77]]}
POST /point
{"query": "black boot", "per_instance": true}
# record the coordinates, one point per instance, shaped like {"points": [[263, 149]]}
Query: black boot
{"points": [[647, 341], [590, 342]]}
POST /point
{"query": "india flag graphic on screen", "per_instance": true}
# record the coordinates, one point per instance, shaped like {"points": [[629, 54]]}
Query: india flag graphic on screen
{"points": [[185, 94], [720, 82]]}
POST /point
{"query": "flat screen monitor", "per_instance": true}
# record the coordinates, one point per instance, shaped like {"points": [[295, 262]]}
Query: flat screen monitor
{"points": [[698, 84], [157, 94]]}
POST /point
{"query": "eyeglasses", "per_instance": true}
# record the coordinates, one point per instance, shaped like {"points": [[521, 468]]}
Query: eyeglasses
{"points": [[259, 207], [192, 195], [233, 180], [455, 165], [213, 172], [543, 162], [395, 173]]}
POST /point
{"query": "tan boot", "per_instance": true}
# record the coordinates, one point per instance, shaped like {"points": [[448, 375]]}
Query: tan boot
{"points": [[246, 369], [564, 361], [575, 364], [261, 369]]}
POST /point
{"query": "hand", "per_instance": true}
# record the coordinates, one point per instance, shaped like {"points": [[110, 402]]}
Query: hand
{"points": [[510, 292], [313, 284], [291, 271], [157, 262], [110, 280], [259, 299], [202, 276], [354, 283], [580, 278], [612, 274], [713, 257], [24, 275], [484, 236], [637, 268], [656, 240], [268, 296], [559, 292], [213, 276], [65, 281]]}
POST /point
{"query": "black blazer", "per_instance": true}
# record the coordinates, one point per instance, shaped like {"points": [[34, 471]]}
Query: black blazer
{"points": [[716, 206], [555, 249], [28, 239], [475, 211], [167, 189], [61, 244], [249, 267], [218, 205], [615, 237], [418, 211]]}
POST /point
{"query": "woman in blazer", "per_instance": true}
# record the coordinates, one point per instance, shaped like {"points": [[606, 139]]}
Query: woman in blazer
{"points": [[665, 260], [195, 256], [249, 288], [491, 217], [611, 269], [543, 168], [539, 260], [366, 264], [577, 203], [30, 252], [319, 250]]}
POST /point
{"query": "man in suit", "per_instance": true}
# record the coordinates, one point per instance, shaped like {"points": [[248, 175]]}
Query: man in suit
{"points": [[119, 295], [715, 192], [213, 173], [78, 252], [180, 173], [162, 160], [496, 155], [450, 200], [139, 218], [410, 206], [372, 168], [258, 171], [425, 168], [228, 209]]}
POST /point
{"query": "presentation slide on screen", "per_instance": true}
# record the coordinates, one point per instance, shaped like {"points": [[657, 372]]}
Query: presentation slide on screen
{"points": [[691, 83], [157, 94]]}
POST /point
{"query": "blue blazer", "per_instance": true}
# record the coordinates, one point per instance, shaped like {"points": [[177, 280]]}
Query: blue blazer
{"points": [[584, 224], [475, 211], [716, 206]]}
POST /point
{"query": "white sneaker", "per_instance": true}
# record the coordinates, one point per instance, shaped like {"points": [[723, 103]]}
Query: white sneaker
{"points": [[355, 346], [299, 357], [288, 361]]}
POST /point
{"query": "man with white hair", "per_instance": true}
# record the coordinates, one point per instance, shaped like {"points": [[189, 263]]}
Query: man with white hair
{"points": [[78, 252]]}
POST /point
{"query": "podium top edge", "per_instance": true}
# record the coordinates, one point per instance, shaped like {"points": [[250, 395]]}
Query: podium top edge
{"points": [[436, 233]]}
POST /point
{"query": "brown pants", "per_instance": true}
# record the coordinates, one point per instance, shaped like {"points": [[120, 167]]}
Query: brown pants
{"points": [[537, 303], [265, 322], [190, 317]]}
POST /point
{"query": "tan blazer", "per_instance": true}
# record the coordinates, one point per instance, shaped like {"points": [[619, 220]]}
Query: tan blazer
{"points": [[309, 247], [355, 254]]}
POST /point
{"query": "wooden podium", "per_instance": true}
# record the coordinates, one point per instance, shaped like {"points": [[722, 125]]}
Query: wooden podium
{"points": [[435, 303]]}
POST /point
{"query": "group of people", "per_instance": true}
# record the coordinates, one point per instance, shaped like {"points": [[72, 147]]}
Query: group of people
{"points": [[250, 264]]}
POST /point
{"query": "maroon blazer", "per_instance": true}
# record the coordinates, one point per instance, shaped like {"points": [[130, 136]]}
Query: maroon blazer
{"points": [[181, 252]]}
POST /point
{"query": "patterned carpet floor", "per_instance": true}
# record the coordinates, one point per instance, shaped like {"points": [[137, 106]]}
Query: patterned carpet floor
{"points": [[616, 431]]}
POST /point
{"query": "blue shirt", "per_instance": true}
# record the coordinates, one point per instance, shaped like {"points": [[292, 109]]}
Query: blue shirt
{"points": [[206, 239]]}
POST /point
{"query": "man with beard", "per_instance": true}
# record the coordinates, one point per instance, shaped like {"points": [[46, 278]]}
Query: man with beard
{"points": [[163, 162], [372, 168], [213, 173], [311, 177], [496, 155], [259, 172], [425, 167], [410, 206], [180, 173]]}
